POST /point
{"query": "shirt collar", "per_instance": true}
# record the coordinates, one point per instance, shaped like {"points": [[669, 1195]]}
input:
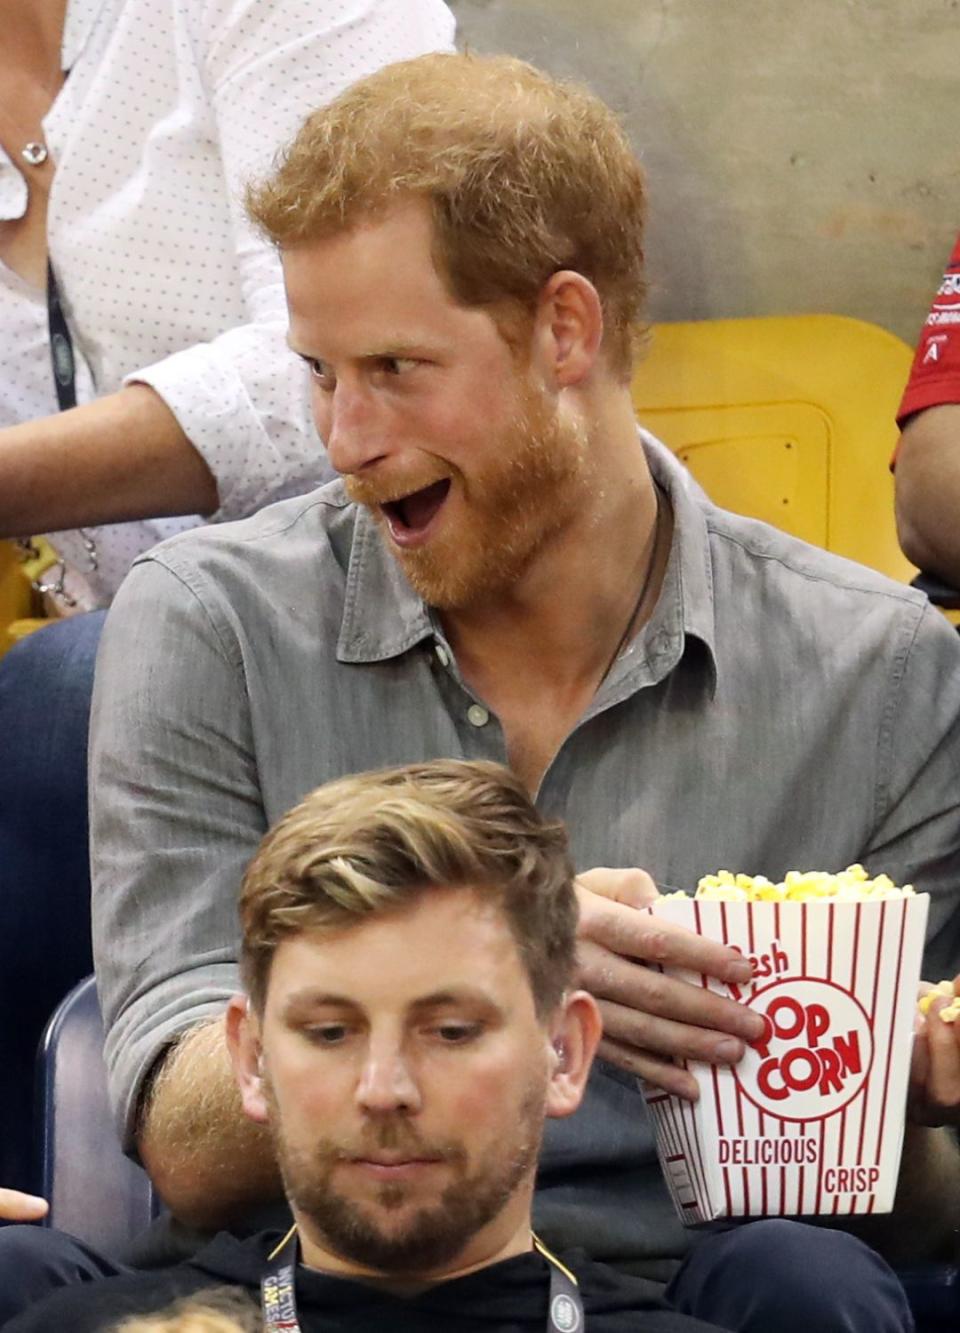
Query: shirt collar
{"points": [[383, 617], [686, 599]]}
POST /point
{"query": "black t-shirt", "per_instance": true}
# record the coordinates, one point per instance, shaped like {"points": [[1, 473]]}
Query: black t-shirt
{"points": [[509, 1297]]}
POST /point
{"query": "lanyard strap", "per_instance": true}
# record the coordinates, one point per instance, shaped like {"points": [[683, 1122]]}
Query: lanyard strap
{"points": [[565, 1311], [61, 346], [64, 367], [278, 1297]]}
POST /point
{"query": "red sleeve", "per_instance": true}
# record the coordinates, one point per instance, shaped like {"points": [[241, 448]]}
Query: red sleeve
{"points": [[935, 374]]}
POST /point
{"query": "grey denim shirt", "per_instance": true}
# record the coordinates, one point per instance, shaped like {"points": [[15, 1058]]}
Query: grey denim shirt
{"points": [[782, 708]]}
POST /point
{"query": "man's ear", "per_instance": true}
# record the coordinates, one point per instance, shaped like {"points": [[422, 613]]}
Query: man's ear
{"points": [[246, 1056], [568, 330], [574, 1035]]}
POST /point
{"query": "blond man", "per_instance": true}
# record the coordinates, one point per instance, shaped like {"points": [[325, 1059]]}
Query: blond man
{"points": [[409, 1021]]}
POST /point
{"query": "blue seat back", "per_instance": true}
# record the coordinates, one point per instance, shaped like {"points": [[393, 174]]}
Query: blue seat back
{"points": [[95, 1192]]}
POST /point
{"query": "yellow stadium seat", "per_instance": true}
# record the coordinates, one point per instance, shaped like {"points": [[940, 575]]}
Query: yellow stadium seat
{"points": [[788, 419], [20, 610]]}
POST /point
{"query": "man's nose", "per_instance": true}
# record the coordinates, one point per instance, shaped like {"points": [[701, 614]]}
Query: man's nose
{"points": [[387, 1083], [351, 428]]}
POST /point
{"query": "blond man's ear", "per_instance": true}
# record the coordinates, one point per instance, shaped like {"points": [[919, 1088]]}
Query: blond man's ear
{"points": [[246, 1056], [574, 1037]]}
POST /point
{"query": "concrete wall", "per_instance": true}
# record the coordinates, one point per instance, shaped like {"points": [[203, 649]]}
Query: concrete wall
{"points": [[801, 156]]}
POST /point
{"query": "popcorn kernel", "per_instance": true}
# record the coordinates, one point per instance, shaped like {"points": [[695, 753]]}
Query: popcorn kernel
{"points": [[951, 1012]]}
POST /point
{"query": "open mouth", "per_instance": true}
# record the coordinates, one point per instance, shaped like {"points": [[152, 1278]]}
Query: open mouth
{"points": [[410, 516]]}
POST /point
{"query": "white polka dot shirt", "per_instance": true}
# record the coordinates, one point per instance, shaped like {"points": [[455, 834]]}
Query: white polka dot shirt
{"points": [[171, 106]]}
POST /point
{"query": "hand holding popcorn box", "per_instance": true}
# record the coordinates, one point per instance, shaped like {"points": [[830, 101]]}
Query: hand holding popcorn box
{"points": [[811, 1120]]}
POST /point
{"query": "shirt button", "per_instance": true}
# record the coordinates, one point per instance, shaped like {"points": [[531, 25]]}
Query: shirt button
{"points": [[477, 715], [443, 657]]}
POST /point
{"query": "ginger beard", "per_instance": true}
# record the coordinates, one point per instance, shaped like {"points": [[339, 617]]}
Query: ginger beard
{"points": [[529, 489], [385, 1227]]}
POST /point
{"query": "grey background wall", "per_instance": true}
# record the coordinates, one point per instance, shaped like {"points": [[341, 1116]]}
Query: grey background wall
{"points": [[801, 156]]}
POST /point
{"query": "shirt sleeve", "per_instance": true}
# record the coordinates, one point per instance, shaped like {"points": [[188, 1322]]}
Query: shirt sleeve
{"points": [[176, 815], [242, 398], [916, 838], [935, 373]]}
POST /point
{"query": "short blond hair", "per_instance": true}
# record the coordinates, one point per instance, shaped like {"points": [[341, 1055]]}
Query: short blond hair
{"points": [[526, 175], [221, 1310], [372, 843]]}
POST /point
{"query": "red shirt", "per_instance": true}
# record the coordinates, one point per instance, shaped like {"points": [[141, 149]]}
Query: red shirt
{"points": [[935, 374]]}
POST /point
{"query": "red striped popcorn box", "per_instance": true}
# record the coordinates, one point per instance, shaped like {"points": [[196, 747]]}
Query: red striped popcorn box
{"points": [[811, 1121]]}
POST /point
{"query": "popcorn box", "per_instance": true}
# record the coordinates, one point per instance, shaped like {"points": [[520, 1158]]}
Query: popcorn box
{"points": [[811, 1121]]}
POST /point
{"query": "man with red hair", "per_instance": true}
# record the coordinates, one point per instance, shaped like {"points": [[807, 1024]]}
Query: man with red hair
{"points": [[509, 570]]}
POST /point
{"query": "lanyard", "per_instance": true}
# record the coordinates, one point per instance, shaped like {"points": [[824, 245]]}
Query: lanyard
{"points": [[63, 365], [61, 346], [278, 1296]]}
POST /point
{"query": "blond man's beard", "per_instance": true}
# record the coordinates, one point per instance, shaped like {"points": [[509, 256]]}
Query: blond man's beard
{"points": [[436, 1232]]}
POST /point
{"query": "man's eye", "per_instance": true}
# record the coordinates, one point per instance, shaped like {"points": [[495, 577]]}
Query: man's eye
{"points": [[457, 1034], [321, 373], [329, 1034], [397, 365]]}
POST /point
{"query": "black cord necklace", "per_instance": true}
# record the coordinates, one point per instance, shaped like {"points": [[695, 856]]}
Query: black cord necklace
{"points": [[644, 588]]}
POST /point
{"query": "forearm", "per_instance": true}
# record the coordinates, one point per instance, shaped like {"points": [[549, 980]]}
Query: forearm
{"points": [[121, 457], [928, 491], [207, 1161]]}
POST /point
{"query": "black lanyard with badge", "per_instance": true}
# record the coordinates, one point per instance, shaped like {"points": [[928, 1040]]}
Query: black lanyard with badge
{"points": [[63, 363], [278, 1295], [63, 366]]}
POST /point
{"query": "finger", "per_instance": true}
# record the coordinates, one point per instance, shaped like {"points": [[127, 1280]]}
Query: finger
{"points": [[17, 1207], [658, 1073], [919, 1060], [665, 1037], [632, 934], [632, 887], [647, 991], [943, 1074]]}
